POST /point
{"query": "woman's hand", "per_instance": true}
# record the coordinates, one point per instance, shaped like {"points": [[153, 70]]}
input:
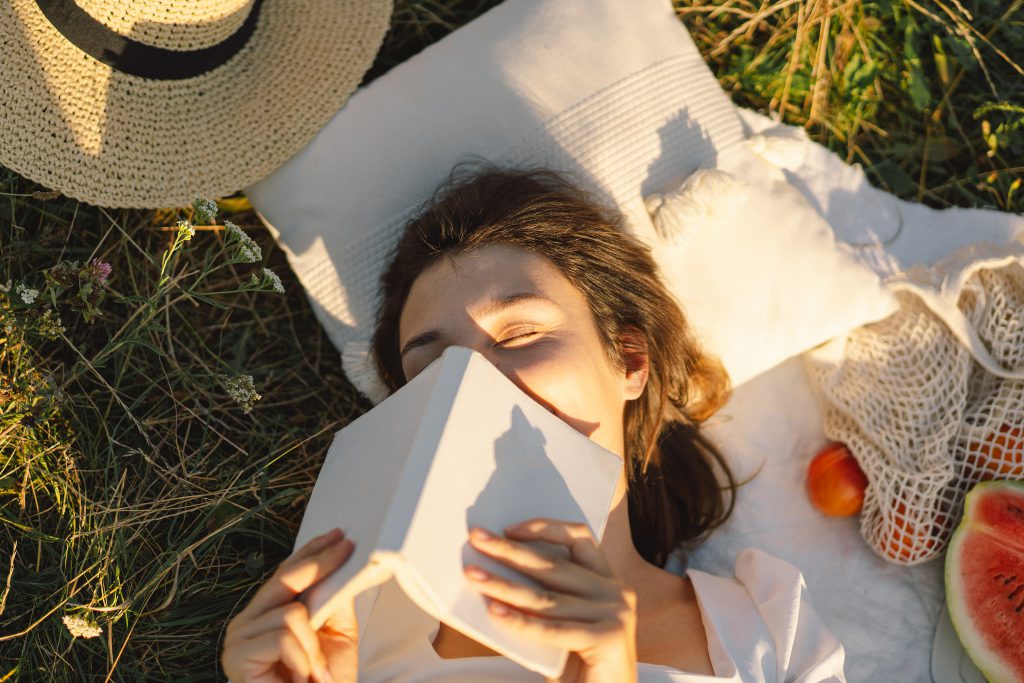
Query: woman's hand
{"points": [[584, 608], [271, 639]]}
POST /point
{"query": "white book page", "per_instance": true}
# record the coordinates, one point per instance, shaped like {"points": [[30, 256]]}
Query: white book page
{"points": [[355, 490]]}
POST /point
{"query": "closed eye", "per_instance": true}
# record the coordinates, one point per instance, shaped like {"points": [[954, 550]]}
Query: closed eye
{"points": [[518, 336]]}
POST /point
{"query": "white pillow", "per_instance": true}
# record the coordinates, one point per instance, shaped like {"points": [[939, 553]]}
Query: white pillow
{"points": [[758, 271], [614, 92]]}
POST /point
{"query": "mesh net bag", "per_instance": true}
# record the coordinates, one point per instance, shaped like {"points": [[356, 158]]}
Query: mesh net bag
{"points": [[990, 444], [931, 399]]}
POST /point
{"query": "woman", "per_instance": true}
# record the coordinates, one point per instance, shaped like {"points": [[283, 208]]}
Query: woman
{"points": [[539, 278]]}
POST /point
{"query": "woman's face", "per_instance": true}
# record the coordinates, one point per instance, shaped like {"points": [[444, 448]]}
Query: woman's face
{"points": [[518, 310]]}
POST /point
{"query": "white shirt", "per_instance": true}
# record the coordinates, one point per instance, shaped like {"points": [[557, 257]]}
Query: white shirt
{"points": [[760, 626]]}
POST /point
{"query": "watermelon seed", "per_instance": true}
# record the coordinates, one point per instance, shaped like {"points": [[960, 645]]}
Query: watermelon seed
{"points": [[1019, 607], [1010, 580], [998, 576], [1015, 592]]}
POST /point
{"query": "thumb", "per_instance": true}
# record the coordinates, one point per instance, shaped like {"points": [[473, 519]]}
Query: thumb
{"points": [[342, 656], [339, 641]]}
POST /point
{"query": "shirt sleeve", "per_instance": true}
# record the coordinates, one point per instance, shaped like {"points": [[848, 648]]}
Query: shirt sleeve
{"points": [[807, 651]]}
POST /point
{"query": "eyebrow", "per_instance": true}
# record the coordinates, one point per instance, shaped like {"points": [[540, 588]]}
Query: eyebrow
{"points": [[491, 309]]}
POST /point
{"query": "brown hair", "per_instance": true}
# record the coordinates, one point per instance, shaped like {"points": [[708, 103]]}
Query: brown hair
{"points": [[679, 486]]}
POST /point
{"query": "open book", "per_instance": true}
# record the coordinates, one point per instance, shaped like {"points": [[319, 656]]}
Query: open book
{"points": [[458, 446]]}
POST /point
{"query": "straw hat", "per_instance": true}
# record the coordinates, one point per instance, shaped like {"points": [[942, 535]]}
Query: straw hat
{"points": [[149, 103]]}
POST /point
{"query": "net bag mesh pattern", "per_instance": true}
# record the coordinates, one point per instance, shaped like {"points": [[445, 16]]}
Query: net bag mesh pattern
{"points": [[927, 415]]}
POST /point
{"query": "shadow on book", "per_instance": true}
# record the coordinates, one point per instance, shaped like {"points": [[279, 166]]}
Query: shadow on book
{"points": [[522, 467], [458, 446]]}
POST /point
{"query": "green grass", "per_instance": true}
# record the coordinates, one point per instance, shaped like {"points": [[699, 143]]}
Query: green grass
{"points": [[928, 96], [136, 492]]}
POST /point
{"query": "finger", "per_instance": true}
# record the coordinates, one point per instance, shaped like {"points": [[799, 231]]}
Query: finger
{"points": [[341, 649], [271, 620], [298, 623], [260, 662], [291, 578], [583, 548], [342, 622], [565, 633], [294, 617], [539, 602], [260, 654], [339, 641], [553, 572], [316, 544]]}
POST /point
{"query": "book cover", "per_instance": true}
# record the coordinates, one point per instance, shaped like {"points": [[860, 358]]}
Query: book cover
{"points": [[458, 446]]}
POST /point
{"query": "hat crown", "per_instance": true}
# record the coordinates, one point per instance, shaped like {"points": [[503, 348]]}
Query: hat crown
{"points": [[171, 24]]}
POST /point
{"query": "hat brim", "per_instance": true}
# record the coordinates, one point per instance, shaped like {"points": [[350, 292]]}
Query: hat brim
{"points": [[73, 124]]}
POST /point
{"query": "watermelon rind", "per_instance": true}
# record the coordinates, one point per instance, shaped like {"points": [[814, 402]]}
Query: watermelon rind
{"points": [[989, 664]]}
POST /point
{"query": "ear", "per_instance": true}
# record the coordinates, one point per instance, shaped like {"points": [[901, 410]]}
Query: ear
{"points": [[634, 355]]}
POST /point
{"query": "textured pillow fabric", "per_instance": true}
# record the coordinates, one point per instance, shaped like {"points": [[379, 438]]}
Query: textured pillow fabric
{"points": [[758, 271], [889, 234], [614, 92]]}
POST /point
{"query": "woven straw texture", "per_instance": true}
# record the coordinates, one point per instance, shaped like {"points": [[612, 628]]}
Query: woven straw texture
{"points": [[924, 418], [73, 124], [170, 24]]}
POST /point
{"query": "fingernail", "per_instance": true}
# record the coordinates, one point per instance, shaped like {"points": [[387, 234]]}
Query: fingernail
{"points": [[475, 572], [480, 534]]}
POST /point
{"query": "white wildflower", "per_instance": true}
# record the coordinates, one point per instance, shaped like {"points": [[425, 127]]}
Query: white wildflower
{"points": [[82, 627], [6, 288], [186, 231], [275, 281], [269, 278], [248, 250], [28, 295], [242, 390], [206, 209]]}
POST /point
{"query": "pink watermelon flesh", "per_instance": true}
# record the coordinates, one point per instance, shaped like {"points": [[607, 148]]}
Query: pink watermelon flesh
{"points": [[985, 579]]}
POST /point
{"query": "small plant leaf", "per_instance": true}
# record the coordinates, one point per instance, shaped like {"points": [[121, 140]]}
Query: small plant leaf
{"points": [[208, 300], [917, 82]]}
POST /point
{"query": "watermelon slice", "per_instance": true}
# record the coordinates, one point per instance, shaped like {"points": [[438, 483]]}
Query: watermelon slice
{"points": [[985, 579]]}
